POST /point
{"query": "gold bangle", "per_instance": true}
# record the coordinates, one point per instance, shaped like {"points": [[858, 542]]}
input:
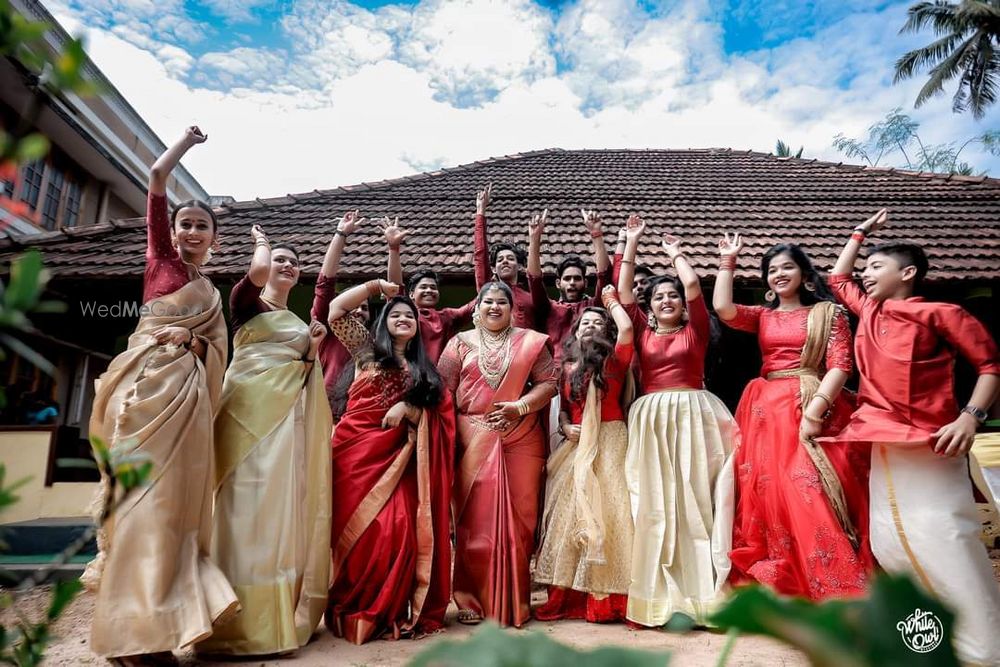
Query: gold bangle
{"points": [[523, 408], [815, 420], [820, 395], [374, 287]]}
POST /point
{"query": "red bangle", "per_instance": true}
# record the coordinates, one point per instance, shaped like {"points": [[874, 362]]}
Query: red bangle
{"points": [[858, 236], [727, 263], [596, 234]]}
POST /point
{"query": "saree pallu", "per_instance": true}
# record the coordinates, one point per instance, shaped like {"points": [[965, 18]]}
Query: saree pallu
{"points": [[497, 491], [679, 468], [157, 589], [271, 531], [390, 532]]}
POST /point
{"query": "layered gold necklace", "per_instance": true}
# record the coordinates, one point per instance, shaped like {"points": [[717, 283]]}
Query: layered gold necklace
{"points": [[665, 331], [494, 355]]}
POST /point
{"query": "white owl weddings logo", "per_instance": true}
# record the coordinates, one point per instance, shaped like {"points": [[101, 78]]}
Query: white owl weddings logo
{"points": [[921, 631]]}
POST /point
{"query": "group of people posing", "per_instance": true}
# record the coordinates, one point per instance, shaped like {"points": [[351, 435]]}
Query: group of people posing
{"points": [[371, 472]]}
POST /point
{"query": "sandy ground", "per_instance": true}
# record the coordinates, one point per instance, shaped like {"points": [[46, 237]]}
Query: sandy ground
{"points": [[695, 648]]}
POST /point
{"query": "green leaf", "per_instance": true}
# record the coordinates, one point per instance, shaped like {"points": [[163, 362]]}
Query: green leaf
{"points": [[490, 646], [7, 496], [69, 462], [63, 593], [26, 281], [679, 623], [32, 147]]}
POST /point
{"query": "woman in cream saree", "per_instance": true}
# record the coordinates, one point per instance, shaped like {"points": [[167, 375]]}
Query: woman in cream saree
{"points": [[271, 526], [156, 588]]}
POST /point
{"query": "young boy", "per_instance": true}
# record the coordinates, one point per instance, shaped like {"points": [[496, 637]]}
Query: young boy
{"points": [[923, 516]]}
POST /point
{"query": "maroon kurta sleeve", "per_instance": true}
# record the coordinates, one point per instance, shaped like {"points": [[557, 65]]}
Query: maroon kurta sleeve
{"points": [[244, 302], [323, 293], [540, 302], [847, 292], [968, 336], [158, 245]]}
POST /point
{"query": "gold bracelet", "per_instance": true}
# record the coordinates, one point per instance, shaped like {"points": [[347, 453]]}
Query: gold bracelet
{"points": [[374, 287], [820, 395], [815, 420], [523, 408]]}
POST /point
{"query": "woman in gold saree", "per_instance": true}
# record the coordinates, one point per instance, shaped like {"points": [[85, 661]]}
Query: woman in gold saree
{"points": [[502, 377], [270, 533], [393, 456], [156, 588], [586, 551]]}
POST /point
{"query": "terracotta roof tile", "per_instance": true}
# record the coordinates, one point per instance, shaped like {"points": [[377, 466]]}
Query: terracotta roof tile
{"points": [[697, 193]]}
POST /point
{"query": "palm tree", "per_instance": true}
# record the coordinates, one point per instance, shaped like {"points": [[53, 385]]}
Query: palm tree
{"points": [[968, 47], [781, 149]]}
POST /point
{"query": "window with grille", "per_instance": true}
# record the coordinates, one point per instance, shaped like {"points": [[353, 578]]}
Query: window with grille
{"points": [[32, 184], [72, 213], [53, 195]]}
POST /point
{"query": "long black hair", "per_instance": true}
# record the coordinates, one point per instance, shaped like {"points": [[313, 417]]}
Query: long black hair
{"points": [[820, 291], [590, 356], [661, 280], [427, 387]]}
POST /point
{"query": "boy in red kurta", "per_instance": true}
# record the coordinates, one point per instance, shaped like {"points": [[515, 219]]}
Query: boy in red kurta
{"points": [[923, 517]]}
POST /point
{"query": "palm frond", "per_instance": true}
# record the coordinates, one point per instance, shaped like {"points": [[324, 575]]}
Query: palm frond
{"points": [[929, 55], [981, 78], [945, 70], [941, 15]]}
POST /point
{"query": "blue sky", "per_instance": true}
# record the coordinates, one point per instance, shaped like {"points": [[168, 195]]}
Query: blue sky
{"points": [[341, 92]]}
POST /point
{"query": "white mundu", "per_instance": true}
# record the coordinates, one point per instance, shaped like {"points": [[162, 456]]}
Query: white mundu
{"points": [[924, 521]]}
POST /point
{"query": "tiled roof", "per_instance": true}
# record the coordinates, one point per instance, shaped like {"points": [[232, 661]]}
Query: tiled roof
{"points": [[698, 194]]}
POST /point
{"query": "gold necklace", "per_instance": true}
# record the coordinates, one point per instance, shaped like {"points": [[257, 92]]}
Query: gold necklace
{"points": [[494, 355], [669, 330]]}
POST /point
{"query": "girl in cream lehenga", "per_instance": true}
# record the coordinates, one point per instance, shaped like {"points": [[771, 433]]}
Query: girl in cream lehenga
{"points": [[157, 589], [271, 530]]}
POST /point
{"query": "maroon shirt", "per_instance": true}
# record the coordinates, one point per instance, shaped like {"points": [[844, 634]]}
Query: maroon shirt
{"points": [[245, 302], [556, 318], [523, 311], [332, 354], [438, 325]]}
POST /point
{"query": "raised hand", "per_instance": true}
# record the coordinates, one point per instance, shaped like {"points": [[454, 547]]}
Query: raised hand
{"points": [[258, 234], [194, 135], [537, 225], [483, 199], [317, 332], [730, 244], [875, 223], [388, 289], [591, 221], [672, 244], [635, 227], [394, 234], [350, 222]]}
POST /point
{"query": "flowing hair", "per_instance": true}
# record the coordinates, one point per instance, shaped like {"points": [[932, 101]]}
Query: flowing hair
{"points": [[590, 356]]}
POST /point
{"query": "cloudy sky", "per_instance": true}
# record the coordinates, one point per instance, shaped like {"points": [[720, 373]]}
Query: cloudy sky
{"points": [[303, 94]]}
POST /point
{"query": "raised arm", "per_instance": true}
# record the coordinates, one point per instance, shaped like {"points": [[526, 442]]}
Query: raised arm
{"points": [[536, 227], [634, 228], [685, 272], [260, 265], [347, 226], [394, 236], [722, 294], [845, 263], [347, 301], [481, 250], [621, 318], [165, 164], [595, 228]]}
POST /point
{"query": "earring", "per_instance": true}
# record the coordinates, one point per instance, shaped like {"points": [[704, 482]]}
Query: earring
{"points": [[809, 286], [476, 318], [769, 295], [651, 321]]}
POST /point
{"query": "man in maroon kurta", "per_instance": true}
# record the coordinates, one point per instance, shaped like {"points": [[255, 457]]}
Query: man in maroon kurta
{"points": [[556, 318], [503, 260]]}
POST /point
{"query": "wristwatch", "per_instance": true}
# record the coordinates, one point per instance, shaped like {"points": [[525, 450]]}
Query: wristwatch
{"points": [[980, 415]]}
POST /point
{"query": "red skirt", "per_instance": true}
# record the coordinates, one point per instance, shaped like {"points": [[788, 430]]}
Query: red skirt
{"points": [[565, 603], [785, 533]]}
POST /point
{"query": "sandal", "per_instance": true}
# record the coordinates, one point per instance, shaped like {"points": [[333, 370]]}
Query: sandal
{"points": [[468, 617]]}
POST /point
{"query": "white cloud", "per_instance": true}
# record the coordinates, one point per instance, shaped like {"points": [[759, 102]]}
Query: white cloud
{"points": [[364, 95]]}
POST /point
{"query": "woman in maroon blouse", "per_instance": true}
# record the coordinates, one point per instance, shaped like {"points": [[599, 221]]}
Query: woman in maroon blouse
{"points": [[157, 589]]}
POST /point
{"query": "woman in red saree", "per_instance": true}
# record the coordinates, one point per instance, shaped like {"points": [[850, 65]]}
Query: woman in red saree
{"points": [[801, 523], [393, 456], [502, 376]]}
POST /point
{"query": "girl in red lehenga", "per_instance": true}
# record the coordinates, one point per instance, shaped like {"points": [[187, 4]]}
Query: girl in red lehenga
{"points": [[502, 377], [801, 522], [586, 552], [393, 456]]}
